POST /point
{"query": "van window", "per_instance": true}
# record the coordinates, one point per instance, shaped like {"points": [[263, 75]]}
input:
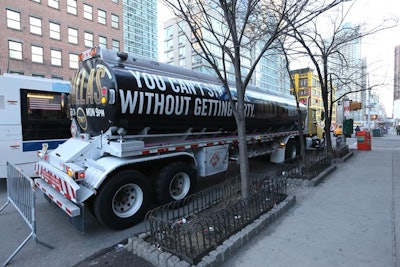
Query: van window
{"points": [[44, 115]]}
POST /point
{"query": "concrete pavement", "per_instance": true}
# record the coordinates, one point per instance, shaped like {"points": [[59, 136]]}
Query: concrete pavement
{"points": [[350, 219]]}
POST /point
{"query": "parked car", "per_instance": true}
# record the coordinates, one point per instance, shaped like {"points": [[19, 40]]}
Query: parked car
{"points": [[337, 131]]}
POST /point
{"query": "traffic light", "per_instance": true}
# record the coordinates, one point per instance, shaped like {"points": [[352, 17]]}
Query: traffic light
{"points": [[354, 105], [374, 117]]}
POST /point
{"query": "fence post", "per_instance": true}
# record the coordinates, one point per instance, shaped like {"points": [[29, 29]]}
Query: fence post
{"points": [[21, 193]]}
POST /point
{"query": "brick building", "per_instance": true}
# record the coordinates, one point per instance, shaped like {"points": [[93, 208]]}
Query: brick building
{"points": [[44, 37], [308, 88]]}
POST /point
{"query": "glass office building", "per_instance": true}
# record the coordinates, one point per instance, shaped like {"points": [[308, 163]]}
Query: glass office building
{"points": [[140, 27]]}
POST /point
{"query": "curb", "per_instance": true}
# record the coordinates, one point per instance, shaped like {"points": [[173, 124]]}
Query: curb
{"points": [[343, 159], [320, 177], [137, 244], [316, 180]]}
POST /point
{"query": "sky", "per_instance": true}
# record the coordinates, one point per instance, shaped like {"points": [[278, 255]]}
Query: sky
{"points": [[378, 48]]}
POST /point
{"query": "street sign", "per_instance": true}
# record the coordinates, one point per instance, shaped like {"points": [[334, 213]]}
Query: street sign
{"points": [[346, 107]]}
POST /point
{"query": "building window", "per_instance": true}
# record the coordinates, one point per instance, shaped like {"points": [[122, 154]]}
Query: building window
{"points": [[115, 1], [88, 39], [55, 31], [17, 72], [303, 82], [102, 16], [182, 63], [114, 21], [115, 45], [73, 61], [35, 25], [87, 12], [168, 32], [37, 1], [13, 20], [182, 51], [103, 41], [38, 75], [181, 26], [37, 54], [169, 55], [53, 4], [72, 36], [15, 50], [181, 39], [71, 7], [55, 57], [169, 44]]}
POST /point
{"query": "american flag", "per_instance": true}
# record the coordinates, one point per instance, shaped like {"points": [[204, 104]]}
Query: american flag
{"points": [[43, 104]]}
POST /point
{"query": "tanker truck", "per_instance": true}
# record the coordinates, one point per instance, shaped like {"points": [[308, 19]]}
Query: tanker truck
{"points": [[143, 131]]}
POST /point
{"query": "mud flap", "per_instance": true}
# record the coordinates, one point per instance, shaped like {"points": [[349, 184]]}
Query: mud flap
{"points": [[79, 222]]}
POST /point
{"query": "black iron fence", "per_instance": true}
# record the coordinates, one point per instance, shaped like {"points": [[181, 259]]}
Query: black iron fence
{"points": [[192, 228], [340, 151], [314, 164]]}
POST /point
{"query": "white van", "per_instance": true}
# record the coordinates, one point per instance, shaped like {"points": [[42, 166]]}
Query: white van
{"points": [[33, 111]]}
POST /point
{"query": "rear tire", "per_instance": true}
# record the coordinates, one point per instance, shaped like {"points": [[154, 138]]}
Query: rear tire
{"points": [[175, 182], [123, 200]]}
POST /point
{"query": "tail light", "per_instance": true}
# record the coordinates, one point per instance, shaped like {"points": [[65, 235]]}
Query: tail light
{"points": [[75, 172]]}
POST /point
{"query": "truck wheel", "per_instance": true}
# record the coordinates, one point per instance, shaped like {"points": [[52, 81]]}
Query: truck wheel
{"points": [[123, 200], [291, 150], [174, 182]]}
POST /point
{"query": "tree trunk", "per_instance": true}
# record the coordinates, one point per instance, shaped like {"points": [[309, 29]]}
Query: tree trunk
{"points": [[243, 158]]}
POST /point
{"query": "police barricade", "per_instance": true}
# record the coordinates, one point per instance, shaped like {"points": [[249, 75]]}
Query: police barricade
{"points": [[21, 193]]}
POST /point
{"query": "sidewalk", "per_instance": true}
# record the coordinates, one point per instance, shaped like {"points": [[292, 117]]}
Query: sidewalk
{"points": [[350, 219]]}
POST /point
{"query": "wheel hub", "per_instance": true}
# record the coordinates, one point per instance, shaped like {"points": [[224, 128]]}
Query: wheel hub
{"points": [[179, 186], [127, 200]]}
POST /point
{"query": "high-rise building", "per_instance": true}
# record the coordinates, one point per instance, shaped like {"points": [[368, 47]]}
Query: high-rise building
{"points": [[361, 114], [396, 91], [44, 37], [348, 68], [140, 27], [270, 72], [396, 86]]}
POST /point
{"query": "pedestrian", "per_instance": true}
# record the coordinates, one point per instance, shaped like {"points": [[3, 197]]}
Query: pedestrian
{"points": [[398, 129], [357, 129]]}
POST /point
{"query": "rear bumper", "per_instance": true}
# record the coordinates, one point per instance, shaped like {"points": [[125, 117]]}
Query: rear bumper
{"points": [[66, 205]]}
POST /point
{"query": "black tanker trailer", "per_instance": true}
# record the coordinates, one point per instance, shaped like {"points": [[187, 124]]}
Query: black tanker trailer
{"points": [[118, 89], [145, 132]]}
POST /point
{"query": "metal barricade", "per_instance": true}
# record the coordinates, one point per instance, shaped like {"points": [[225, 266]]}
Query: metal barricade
{"points": [[21, 193]]}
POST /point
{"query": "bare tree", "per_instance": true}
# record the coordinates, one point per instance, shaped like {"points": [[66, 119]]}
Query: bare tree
{"points": [[284, 50], [224, 31], [323, 43]]}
